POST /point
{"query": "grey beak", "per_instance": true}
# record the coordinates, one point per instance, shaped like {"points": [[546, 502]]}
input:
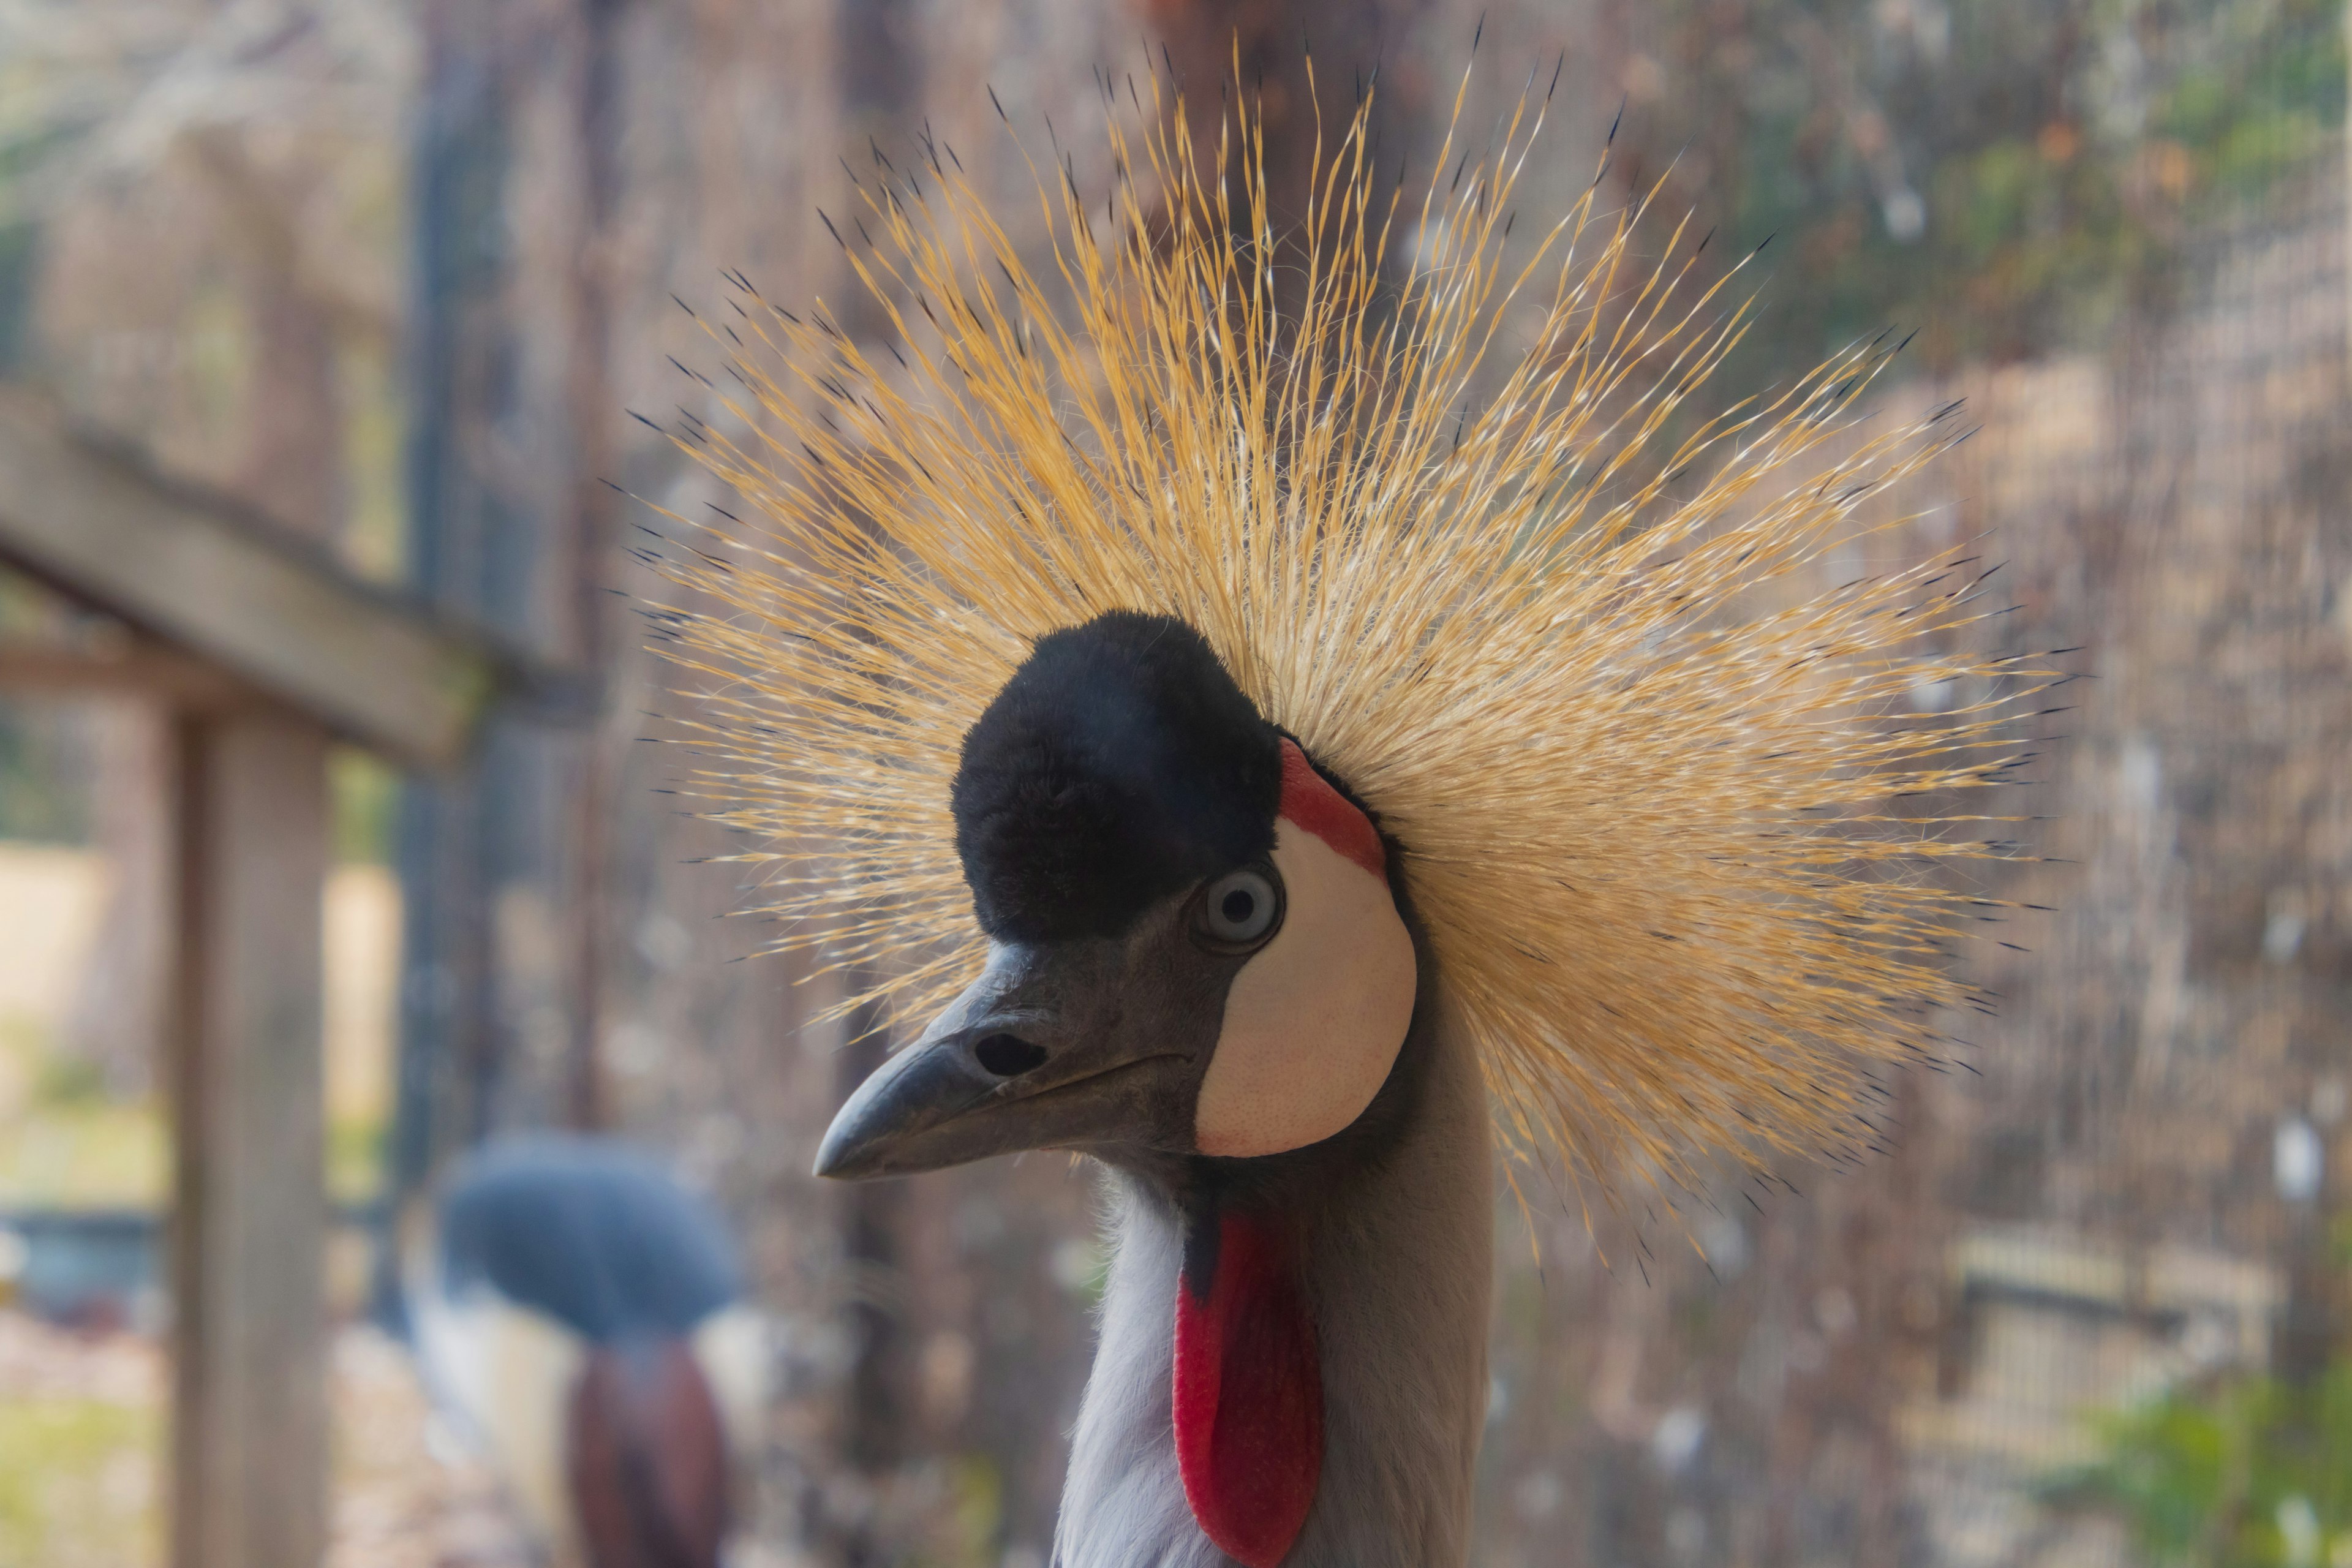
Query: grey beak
{"points": [[1032, 1055]]}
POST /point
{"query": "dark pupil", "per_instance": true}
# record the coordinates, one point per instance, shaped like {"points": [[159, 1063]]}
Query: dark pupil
{"points": [[1238, 905]]}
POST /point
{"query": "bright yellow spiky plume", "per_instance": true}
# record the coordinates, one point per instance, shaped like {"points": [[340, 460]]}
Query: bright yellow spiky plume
{"points": [[1573, 646]]}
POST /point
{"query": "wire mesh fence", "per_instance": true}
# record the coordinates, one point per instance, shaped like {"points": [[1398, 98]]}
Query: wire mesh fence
{"points": [[2090, 1308]]}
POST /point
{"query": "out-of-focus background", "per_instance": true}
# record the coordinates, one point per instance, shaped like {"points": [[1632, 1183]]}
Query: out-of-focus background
{"points": [[320, 321]]}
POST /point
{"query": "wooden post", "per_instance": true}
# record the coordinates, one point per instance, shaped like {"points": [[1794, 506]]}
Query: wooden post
{"points": [[262, 647], [250, 1473]]}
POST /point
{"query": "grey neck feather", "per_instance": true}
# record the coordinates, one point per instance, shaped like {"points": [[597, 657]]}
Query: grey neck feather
{"points": [[1398, 1272]]}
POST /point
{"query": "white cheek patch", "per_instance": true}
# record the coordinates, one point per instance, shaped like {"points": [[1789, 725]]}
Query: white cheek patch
{"points": [[1314, 1020]]}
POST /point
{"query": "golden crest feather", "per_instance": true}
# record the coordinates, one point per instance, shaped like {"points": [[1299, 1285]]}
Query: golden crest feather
{"points": [[1565, 640]]}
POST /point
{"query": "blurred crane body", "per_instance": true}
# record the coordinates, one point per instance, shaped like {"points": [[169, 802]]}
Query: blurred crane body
{"points": [[579, 1315]]}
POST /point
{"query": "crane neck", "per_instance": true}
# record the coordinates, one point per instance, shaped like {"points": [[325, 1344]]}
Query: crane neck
{"points": [[1385, 1236]]}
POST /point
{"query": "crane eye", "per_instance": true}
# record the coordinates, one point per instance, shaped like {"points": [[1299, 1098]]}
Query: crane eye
{"points": [[1239, 909]]}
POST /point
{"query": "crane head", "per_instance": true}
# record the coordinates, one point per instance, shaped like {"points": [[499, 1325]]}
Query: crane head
{"points": [[1195, 944]]}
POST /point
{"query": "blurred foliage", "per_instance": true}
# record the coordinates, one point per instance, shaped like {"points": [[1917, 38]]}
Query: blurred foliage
{"points": [[16, 257], [355, 1151], [364, 795], [63, 1138], [68, 1137], [201, 218], [977, 1512], [375, 432], [102, 1154], [2006, 176], [45, 758], [68, 1083], [2244, 1472], [44, 775], [76, 1483]]}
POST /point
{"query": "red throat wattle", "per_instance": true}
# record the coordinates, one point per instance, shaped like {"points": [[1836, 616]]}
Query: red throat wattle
{"points": [[1249, 1395]]}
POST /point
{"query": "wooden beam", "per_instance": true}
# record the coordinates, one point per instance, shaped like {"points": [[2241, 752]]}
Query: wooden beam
{"points": [[250, 1210], [140, 668], [203, 574]]}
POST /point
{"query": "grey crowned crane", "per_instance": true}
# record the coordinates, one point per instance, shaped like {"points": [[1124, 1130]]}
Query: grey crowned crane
{"points": [[1284, 753], [1203, 975], [580, 1314]]}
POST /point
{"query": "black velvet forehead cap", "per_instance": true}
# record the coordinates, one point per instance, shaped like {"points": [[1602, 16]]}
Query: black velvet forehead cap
{"points": [[1121, 764]]}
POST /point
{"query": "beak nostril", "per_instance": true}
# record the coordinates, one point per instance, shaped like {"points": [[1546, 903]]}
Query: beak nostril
{"points": [[1008, 1056]]}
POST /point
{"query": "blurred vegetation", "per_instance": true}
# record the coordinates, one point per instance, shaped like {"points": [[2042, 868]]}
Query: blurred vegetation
{"points": [[2006, 176], [202, 210], [67, 1140], [44, 775], [44, 762], [364, 794], [76, 1483], [63, 1138], [355, 1151], [2241, 1472]]}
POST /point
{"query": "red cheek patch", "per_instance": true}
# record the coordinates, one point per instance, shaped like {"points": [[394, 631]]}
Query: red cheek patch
{"points": [[1323, 811], [1249, 1396]]}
